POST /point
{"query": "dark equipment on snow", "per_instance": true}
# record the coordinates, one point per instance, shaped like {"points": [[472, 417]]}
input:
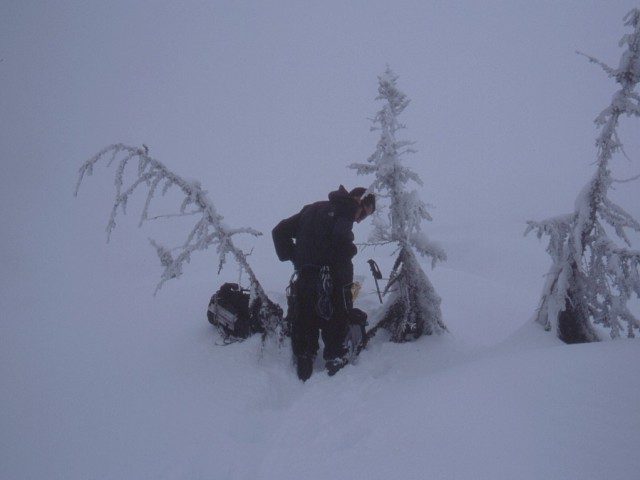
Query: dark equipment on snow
{"points": [[292, 293], [229, 312], [377, 275], [356, 336]]}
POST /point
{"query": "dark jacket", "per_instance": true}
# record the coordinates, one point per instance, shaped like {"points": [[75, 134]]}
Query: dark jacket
{"points": [[320, 234]]}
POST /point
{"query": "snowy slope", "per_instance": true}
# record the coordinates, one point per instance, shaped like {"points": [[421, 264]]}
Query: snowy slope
{"points": [[125, 385]]}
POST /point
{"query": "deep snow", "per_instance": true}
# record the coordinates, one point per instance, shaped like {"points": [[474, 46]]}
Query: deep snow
{"points": [[115, 383]]}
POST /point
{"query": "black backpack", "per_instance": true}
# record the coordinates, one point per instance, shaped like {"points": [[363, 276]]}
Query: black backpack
{"points": [[229, 312]]}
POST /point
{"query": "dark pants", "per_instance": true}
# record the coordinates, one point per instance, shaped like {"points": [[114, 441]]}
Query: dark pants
{"points": [[307, 324]]}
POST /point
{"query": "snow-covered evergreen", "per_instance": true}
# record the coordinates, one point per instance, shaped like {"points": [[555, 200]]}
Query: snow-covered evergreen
{"points": [[593, 278], [209, 229], [412, 307]]}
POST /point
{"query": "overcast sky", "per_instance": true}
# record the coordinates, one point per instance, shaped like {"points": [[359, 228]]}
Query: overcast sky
{"points": [[266, 102]]}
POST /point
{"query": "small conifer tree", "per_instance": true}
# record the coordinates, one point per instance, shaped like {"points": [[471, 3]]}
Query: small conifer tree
{"points": [[412, 307], [592, 278]]}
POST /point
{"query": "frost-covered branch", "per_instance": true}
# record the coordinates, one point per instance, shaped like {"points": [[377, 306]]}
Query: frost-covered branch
{"points": [[152, 178], [592, 279], [405, 211]]}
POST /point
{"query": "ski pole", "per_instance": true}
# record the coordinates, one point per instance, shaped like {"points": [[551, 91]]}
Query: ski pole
{"points": [[377, 275]]}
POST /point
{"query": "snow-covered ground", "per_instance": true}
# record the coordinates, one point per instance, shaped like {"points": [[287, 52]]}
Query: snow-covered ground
{"points": [[102, 380], [266, 103]]}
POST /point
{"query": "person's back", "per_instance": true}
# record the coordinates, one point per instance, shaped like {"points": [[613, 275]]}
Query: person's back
{"points": [[321, 230], [313, 239]]}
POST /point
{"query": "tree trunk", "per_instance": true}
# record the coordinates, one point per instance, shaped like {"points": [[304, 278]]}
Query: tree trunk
{"points": [[574, 325]]}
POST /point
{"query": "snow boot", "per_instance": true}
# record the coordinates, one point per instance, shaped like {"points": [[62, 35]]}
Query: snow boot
{"points": [[304, 367], [335, 364]]}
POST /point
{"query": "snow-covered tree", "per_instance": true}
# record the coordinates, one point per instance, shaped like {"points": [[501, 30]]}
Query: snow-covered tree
{"points": [[592, 278], [412, 307], [209, 228]]}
